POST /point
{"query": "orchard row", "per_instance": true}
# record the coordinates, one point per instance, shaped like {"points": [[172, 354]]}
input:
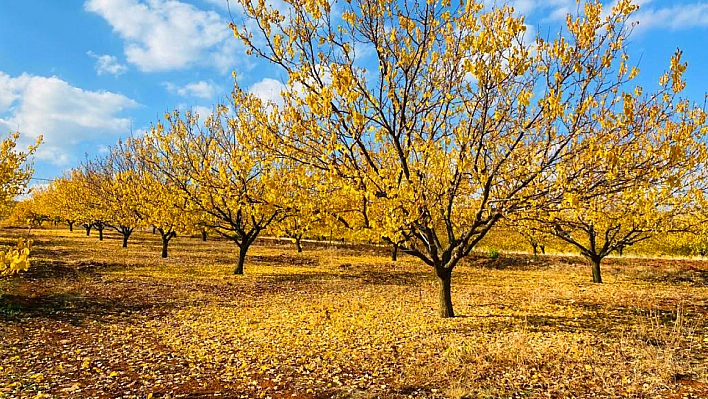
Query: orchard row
{"points": [[451, 123]]}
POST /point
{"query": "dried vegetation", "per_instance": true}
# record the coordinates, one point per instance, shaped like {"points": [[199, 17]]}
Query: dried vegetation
{"points": [[91, 319]]}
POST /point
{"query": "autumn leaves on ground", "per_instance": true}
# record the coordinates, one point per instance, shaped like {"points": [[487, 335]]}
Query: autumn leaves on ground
{"points": [[91, 319]]}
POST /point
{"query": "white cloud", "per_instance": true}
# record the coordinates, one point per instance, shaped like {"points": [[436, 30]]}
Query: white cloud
{"points": [[63, 114], [108, 64], [201, 89], [202, 111], [162, 35], [675, 17], [268, 90]]}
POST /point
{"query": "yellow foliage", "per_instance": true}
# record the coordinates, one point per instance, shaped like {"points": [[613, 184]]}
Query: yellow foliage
{"points": [[16, 259]]}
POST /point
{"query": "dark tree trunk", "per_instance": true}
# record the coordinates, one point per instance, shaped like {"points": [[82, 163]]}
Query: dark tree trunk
{"points": [[165, 242], [543, 249], [88, 229], [154, 229], [125, 239], [595, 264], [298, 244], [620, 250], [100, 232], [444, 279], [71, 226], [535, 248], [394, 252], [241, 259], [204, 235]]}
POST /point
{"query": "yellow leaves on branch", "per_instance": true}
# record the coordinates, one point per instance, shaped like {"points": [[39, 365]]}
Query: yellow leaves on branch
{"points": [[16, 259], [14, 169]]}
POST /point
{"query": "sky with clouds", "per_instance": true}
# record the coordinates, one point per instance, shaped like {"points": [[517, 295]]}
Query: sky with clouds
{"points": [[84, 74]]}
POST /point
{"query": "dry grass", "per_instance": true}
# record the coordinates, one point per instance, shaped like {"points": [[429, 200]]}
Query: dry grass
{"points": [[95, 320]]}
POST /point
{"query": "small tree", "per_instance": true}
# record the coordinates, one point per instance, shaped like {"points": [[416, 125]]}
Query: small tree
{"points": [[221, 171], [641, 177], [112, 179], [15, 172]]}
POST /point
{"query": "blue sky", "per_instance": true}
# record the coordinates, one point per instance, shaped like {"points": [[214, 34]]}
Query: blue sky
{"points": [[83, 73]]}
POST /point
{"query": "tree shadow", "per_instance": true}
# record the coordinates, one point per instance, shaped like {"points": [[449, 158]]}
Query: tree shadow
{"points": [[44, 269], [69, 307], [521, 262], [283, 260], [655, 325], [691, 276], [352, 274]]}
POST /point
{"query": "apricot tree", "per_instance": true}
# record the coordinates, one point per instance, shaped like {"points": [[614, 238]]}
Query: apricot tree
{"points": [[443, 117]]}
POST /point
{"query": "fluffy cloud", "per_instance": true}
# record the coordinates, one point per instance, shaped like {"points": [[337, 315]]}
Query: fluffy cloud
{"points": [[63, 114], [201, 89], [108, 64], [674, 17], [268, 90], [163, 35]]}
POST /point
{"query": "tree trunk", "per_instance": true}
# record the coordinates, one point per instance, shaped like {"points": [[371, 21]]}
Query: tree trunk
{"points": [[165, 242], [100, 233], [88, 230], [543, 249], [444, 279], [535, 249], [394, 252], [71, 226], [596, 274], [620, 250], [298, 244], [154, 229], [204, 235], [125, 239], [241, 259]]}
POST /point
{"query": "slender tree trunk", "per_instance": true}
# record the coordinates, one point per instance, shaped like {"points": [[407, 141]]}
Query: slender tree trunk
{"points": [[394, 252], [620, 250], [165, 242], [100, 233], [241, 259], [125, 239], [535, 249], [204, 235], [71, 226], [543, 249], [445, 279], [298, 244], [154, 229], [88, 230]]}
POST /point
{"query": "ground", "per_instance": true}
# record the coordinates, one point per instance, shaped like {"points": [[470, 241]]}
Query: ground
{"points": [[91, 319]]}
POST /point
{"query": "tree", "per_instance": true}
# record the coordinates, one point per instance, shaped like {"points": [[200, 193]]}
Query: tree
{"points": [[455, 120], [641, 177], [114, 178], [303, 202], [80, 199], [160, 202], [15, 172], [220, 169], [60, 201], [532, 231], [30, 211]]}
